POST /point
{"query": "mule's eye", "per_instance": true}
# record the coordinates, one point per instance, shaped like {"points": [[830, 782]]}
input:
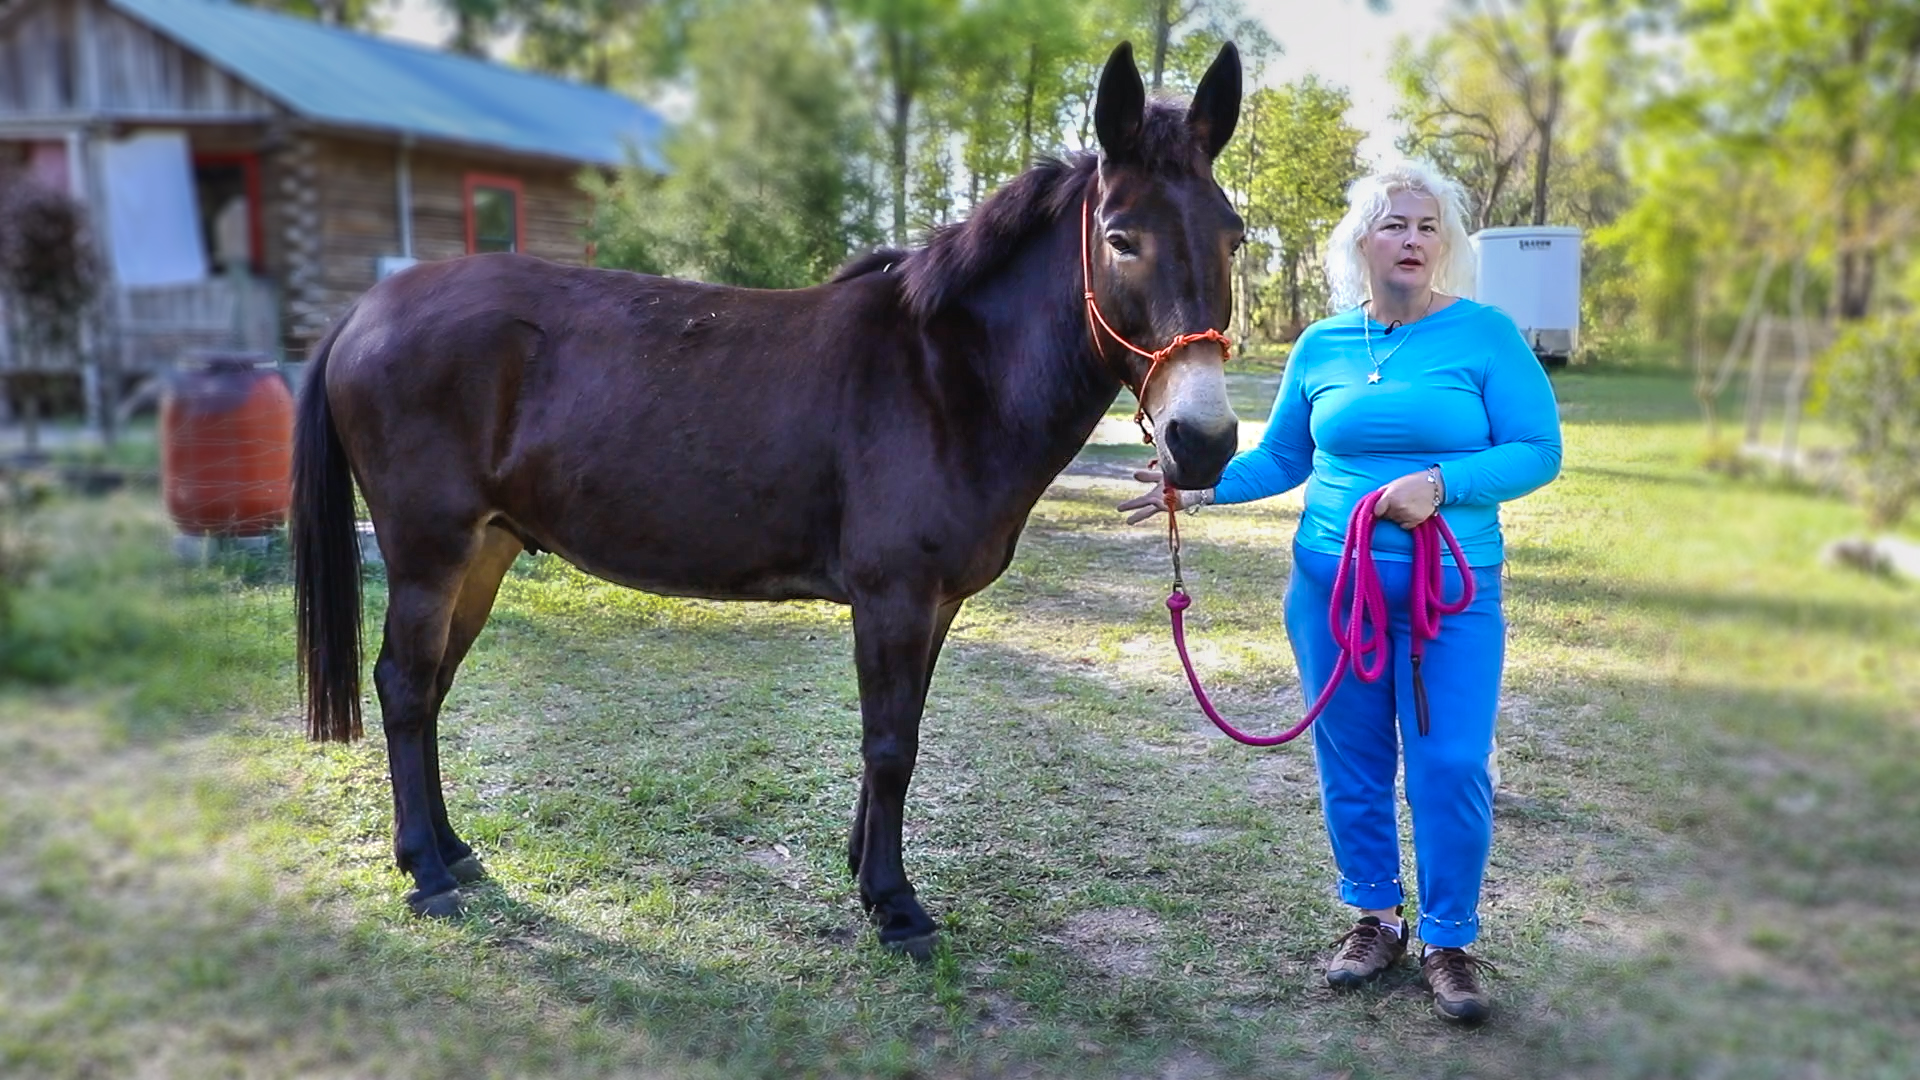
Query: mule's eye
{"points": [[1121, 243], [1238, 243]]}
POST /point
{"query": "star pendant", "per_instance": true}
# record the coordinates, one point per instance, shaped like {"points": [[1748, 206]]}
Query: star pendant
{"points": [[1374, 378]]}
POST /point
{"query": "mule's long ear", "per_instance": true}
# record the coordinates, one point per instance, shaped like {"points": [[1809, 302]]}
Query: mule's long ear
{"points": [[1216, 104], [1121, 104]]}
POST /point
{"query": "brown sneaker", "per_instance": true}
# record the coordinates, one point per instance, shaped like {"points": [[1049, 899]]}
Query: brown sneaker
{"points": [[1369, 950], [1454, 978]]}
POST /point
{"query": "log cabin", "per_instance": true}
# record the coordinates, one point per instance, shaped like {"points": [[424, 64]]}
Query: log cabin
{"points": [[246, 174]]}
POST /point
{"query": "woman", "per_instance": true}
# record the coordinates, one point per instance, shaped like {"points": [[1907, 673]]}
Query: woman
{"points": [[1435, 401]]}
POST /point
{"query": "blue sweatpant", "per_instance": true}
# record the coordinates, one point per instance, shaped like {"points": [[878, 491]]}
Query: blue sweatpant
{"points": [[1367, 727]]}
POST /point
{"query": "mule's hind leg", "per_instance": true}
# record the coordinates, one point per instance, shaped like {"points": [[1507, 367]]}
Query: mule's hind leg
{"points": [[498, 549], [425, 574]]}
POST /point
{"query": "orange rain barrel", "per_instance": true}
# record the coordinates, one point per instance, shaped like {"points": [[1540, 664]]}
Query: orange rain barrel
{"points": [[226, 446]]}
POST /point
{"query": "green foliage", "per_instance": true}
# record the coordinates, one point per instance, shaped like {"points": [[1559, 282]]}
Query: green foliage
{"points": [[353, 14], [1461, 116], [1287, 171], [819, 128], [613, 43], [1869, 383], [764, 187], [1785, 130], [603, 42], [1526, 103], [20, 552], [1008, 70]]}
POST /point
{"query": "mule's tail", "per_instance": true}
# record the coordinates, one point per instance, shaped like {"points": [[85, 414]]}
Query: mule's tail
{"points": [[326, 561]]}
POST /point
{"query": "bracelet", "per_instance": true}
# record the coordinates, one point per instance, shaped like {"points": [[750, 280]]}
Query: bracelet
{"points": [[1433, 478]]}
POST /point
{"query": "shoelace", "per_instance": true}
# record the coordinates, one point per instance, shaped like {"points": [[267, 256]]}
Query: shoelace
{"points": [[1363, 937], [1458, 968]]}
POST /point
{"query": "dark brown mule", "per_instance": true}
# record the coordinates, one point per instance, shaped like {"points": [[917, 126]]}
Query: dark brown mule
{"points": [[876, 441]]}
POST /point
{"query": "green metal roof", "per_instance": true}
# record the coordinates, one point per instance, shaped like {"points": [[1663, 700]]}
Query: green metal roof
{"points": [[336, 76]]}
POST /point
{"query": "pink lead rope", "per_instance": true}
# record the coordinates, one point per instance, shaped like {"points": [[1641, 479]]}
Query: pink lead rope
{"points": [[1363, 638]]}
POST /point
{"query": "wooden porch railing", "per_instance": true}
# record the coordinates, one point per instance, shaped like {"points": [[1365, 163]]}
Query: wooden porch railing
{"points": [[152, 328]]}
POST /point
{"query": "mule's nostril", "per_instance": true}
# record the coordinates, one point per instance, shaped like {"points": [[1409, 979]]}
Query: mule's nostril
{"points": [[1195, 454]]}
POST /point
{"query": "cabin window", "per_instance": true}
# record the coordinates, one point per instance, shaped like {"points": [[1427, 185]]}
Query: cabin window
{"points": [[496, 214]]}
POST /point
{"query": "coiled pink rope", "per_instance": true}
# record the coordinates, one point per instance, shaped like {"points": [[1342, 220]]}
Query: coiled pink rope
{"points": [[1363, 637]]}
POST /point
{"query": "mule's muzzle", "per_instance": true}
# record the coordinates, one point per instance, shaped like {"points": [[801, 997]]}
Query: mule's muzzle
{"points": [[1193, 453]]}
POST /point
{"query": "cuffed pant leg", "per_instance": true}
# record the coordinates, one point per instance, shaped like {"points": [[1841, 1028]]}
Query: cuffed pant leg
{"points": [[1449, 784]]}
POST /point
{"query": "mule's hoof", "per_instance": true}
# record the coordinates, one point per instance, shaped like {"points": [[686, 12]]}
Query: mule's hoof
{"points": [[468, 870], [920, 947], [441, 905]]}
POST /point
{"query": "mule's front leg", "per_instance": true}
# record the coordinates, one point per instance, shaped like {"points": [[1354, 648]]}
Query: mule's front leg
{"points": [[893, 651], [857, 835]]}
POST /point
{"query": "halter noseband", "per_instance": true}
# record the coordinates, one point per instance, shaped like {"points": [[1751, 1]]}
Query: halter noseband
{"points": [[1097, 322]]}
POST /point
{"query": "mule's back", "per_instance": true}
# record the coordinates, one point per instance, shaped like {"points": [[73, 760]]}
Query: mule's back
{"points": [[633, 424]]}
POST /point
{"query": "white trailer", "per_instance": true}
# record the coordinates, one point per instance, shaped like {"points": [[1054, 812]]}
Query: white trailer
{"points": [[1532, 272]]}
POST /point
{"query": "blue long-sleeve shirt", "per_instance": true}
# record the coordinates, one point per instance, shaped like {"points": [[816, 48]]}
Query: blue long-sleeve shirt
{"points": [[1461, 389]]}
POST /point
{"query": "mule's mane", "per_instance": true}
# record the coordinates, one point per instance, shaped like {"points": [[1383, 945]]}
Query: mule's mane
{"points": [[958, 256]]}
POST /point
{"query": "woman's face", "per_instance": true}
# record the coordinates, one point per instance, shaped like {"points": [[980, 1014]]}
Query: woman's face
{"points": [[1403, 246]]}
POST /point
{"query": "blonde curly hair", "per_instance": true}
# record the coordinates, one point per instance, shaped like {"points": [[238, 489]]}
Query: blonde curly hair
{"points": [[1368, 201]]}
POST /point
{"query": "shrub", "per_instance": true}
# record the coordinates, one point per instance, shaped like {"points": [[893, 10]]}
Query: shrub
{"points": [[1869, 384], [20, 554]]}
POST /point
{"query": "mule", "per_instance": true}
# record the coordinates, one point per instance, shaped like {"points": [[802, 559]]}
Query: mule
{"points": [[876, 441]]}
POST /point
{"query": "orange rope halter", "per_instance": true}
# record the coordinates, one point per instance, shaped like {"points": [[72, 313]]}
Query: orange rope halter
{"points": [[1154, 360], [1095, 318]]}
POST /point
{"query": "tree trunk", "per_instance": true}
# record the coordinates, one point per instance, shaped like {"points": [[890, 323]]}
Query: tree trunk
{"points": [[1026, 120], [1294, 322], [1542, 161], [1856, 284], [467, 37], [1162, 37], [1549, 116], [897, 133], [1494, 190], [1246, 297]]}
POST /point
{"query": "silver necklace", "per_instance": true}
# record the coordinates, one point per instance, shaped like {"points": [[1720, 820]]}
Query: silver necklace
{"points": [[1366, 332]]}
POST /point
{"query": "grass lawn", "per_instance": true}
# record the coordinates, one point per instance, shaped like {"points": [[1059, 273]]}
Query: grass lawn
{"points": [[1706, 862]]}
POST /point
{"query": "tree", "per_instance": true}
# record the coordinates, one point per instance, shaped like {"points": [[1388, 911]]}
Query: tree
{"points": [[1183, 36], [908, 47], [476, 24], [765, 186], [1529, 42], [351, 14], [1287, 171], [1870, 385], [613, 43], [1488, 98], [1460, 116], [1787, 132]]}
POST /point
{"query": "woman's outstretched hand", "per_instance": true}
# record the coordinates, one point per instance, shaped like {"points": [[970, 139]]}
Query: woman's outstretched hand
{"points": [[1155, 498]]}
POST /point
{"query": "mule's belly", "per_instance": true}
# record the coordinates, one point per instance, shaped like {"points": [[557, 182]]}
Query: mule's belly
{"points": [[742, 587], [695, 561]]}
